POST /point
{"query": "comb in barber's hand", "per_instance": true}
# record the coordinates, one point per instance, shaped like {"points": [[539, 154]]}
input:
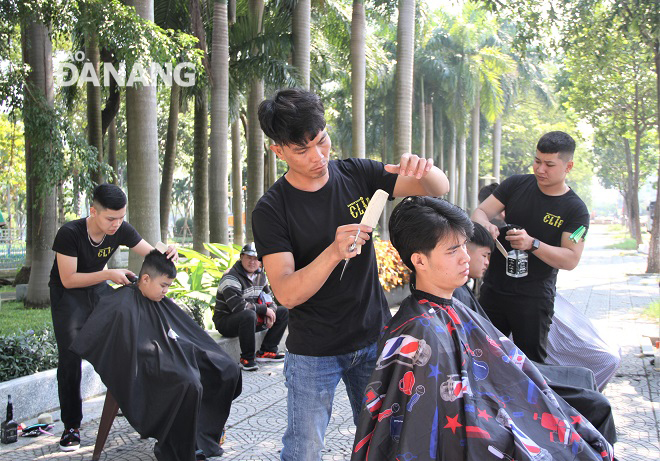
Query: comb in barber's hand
{"points": [[369, 218]]}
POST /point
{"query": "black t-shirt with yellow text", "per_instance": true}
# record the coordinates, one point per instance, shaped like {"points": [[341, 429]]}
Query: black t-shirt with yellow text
{"points": [[72, 240], [544, 217], [344, 315]]}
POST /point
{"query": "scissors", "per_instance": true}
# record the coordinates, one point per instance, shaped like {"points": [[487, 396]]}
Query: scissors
{"points": [[350, 249]]}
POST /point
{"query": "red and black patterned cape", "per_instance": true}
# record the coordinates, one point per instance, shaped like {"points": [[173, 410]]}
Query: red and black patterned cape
{"points": [[448, 386]]}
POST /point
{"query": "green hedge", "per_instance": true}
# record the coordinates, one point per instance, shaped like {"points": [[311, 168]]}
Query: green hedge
{"points": [[24, 353]]}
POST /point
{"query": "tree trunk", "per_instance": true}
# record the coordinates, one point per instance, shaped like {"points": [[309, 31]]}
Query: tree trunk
{"points": [[462, 173], [441, 143], [255, 154], [453, 176], [405, 55], [201, 173], [653, 263], [422, 119], [237, 181], [300, 29], [43, 208], [142, 154], [169, 161], [497, 147], [358, 78], [430, 150], [631, 194], [474, 182], [112, 151], [94, 120], [218, 192]]}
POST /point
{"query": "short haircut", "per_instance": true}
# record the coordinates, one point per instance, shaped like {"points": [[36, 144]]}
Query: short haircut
{"points": [[109, 196], [292, 116], [557, 142], [487, 191], [156, 264], [418, 224], [481, 237]]}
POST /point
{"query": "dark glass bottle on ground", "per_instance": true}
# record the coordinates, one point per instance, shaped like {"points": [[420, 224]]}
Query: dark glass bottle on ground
{"points": [[9, 428]]}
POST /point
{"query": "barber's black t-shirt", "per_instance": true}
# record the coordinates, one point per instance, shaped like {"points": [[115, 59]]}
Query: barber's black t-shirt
{"points": [[544, 217], [72, 240], [343, 316]]}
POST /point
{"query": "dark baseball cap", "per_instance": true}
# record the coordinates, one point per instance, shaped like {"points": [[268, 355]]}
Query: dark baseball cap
{"points": [[249, 249]]}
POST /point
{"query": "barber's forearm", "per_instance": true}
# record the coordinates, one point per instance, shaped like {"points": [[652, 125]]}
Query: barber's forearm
{"points": [[296, 288], [557, 257], [83, 279], [479, 215], [435, 183]]}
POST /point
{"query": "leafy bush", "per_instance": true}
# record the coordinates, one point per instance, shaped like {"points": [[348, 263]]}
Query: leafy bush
{"points": [[199, 275], [24, 353], [391, 270], [179, 227]]}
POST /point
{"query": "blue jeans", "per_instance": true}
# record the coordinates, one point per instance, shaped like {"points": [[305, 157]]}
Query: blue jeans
{"points": [[311, 383]]}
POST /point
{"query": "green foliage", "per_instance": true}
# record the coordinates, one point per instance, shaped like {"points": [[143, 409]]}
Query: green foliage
{"points": [[625, 244], [199, 275], [27, 352], [653, 311]]}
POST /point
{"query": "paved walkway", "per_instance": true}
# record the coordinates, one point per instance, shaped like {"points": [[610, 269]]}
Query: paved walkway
{"points": [[608, 285]]}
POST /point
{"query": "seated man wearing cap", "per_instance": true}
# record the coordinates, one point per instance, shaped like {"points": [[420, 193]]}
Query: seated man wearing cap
{"points": [[244, 305]]}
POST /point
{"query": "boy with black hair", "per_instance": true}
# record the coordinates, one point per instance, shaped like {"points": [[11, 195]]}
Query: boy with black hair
{"points": [[171, 380], [479, 248], [447, 385], [304, 227], [546, 213], [78, 278]]}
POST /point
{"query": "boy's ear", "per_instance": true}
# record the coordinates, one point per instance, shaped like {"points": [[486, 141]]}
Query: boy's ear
{"points": [[145, 278], [418, 260]]}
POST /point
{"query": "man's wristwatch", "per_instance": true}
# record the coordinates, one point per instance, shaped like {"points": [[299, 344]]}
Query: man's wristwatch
{"points": [[535, 245]]}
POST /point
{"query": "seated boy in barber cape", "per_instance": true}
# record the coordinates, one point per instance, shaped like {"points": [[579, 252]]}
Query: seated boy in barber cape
{"points": [[170, 379]]}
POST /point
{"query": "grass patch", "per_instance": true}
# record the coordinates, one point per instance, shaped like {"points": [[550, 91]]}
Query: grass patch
{"points": [[14, 317], [653, 311], [625, 244], [5, 288]]}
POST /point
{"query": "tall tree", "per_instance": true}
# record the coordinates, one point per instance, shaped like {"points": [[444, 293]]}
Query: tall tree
{"points": [[358, 77], [201, 172], [218, 192], [300, 28], [169, 160], [39, 98], [142, 152], [94, 120], [405, 53], [255, 154]]}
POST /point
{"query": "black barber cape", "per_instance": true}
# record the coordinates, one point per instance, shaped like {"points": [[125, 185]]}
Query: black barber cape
{"points": [[448, 386], [170, 379]]}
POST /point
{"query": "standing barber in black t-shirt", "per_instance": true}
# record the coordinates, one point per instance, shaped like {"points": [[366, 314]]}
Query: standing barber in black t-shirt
{"points": [[303, 227], [548, 212], [82, 249]]}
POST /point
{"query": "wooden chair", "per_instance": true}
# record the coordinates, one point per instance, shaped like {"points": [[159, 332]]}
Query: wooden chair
{"points": [[110, 410]]}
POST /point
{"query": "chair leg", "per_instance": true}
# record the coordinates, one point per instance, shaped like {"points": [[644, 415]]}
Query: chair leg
{"points": [[110, 410]]}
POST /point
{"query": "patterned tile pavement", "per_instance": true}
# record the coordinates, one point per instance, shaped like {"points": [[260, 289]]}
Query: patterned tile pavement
{"points": [[608, 285]]}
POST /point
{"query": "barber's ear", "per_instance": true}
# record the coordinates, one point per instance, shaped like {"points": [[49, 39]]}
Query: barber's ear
{"points": [[277, 149], [419, 261], [569, 166]]}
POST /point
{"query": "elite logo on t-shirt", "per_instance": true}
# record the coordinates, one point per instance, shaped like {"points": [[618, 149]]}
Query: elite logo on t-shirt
{"points": [[358, 207], [553, 220], [104, 252]]}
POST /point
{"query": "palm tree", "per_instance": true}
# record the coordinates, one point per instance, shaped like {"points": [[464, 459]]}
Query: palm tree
{"points": [[94, 120], [169, 160], [300, 29], [201, 172], [39, 97], [358, 77], [405, 52], [218, 193], [142, 152]]}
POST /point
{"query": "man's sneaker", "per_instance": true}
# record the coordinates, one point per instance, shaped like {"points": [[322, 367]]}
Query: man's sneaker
{"points": [[199, 455], [249, 365], [70, 440], [270, 357]]}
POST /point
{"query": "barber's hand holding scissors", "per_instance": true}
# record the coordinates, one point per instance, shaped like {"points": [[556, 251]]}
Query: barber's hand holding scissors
{"points": [[519, 239], [411, 165], [345, 237]]}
